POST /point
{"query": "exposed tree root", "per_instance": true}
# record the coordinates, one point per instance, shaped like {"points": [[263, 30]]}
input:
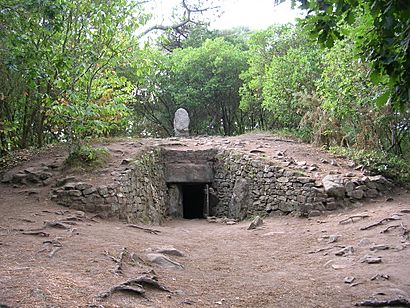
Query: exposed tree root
{"points": [[56, 224], [8, 230], [27, 220], [381, 222], [137, 289], [39, 233], [148, 230], [53, 249], [73, 218], [389, 228], [405, 232], [353, 218], [399, 302], [136, 285], [51, 224], [326, 248], [118, 261]]}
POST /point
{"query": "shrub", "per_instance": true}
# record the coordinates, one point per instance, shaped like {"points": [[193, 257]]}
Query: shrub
{"points": [[388, 165], [86, 156]]}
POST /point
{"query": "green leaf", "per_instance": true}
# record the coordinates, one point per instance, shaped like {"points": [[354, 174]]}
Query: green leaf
{"points": [[382, 99]]}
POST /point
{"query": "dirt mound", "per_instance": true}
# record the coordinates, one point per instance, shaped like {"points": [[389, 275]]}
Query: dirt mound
{"points": [[291, 153], [53, 256]]}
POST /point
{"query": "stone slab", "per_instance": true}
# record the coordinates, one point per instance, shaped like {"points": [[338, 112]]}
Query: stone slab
{"points": [[189, 173]]}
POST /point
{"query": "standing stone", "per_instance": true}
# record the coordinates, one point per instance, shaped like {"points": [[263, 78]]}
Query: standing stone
{"points": [[176, 208], [238, 204], [181, 123]]}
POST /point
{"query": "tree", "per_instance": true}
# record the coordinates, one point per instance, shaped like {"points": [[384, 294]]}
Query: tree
{"points": [[164, 82], [200, 33], [288, 77], [206, 82], [280, 60], [152, 104], [62, 55], [189, 16], [385, 43]]}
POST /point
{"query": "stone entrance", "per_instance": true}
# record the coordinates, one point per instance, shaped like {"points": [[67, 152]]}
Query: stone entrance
{"points": [[194, 200], [188, 175], [175, 182]]}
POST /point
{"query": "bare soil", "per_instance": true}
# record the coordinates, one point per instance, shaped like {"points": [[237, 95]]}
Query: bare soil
{"points": [[287, 262]]}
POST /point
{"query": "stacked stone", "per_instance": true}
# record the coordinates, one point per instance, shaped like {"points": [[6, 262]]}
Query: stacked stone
{"points": [[86, 197], [274, 188], [34, 175], [349, 188], [138, 193], [145, 189], [245, 185]]}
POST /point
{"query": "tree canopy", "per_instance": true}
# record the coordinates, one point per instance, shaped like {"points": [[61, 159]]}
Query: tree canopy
{"points": [[381, 36], [72, 71]]}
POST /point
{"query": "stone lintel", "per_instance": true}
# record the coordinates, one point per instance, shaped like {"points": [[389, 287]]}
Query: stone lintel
{"points": [[188, 173]]}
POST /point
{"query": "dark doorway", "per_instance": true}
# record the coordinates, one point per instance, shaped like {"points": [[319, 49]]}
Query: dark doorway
{"points": [[193, 200]]}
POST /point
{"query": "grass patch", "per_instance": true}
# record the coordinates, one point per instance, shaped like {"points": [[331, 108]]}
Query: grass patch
{"points": [[388, 165]]}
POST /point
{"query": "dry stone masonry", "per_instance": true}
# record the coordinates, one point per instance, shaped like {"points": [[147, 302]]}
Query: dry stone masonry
{"points": [[137, 194], [150, 187]]}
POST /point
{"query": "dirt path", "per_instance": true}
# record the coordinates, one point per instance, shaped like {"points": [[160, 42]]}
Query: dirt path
{"points": [[275, 265]]}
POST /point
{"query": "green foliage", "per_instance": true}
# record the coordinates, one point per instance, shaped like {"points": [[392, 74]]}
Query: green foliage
{"points": [[348, 98], [207, 84], [327, 96], [200, 33], [287, 77], [292, 133], [204, 80], [384, 41], [391, 166], [85, 156], [55, 57], [351, 100], [263, 47], [153, 105], [282, 65], [104, 113]]}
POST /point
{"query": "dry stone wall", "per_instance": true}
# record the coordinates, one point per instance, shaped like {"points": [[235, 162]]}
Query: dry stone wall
{"points": [[244, 185], [138, 193], [248, 186], [268, 188]]}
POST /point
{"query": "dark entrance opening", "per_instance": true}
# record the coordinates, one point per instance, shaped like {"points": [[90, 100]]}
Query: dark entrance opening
{"points": [[193, 200]]}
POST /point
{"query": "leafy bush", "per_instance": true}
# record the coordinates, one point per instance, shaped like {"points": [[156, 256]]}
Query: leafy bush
{"points": [[86, 156], [388, 165]]}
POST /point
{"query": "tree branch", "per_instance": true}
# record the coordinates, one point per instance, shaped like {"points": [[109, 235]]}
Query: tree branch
{"points": [[187, 18]]}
